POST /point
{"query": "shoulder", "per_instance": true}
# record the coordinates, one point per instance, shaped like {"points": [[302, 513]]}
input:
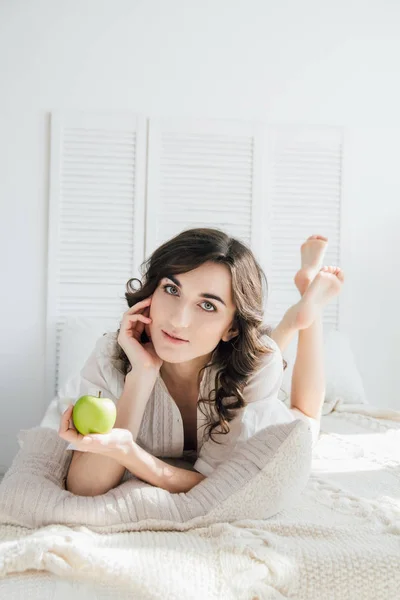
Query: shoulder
{"points": [[271, 343], [104, 351], [273, 357], [266, 380], [110, 366], [106, 344]]}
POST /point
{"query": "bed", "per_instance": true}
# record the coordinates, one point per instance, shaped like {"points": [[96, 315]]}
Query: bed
{"points": [[341, 540]]}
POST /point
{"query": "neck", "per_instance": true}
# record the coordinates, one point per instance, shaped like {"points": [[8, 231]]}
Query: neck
{"points": [[184, 375]]}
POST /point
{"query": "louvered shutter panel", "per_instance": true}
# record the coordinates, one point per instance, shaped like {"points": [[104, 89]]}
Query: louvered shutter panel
{"points": [[271, 187], [96, 217], [304, 174], [204, 174]]}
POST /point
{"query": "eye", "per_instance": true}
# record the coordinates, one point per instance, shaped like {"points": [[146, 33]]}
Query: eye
{"points": [[168, 285]]}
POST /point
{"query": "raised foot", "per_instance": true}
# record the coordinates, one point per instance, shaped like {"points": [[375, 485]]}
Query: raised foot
{"points": [[325, 286], [312, 254]]}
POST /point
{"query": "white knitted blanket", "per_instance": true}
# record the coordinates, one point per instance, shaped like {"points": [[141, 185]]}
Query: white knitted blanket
{"points": [[342, 540]]}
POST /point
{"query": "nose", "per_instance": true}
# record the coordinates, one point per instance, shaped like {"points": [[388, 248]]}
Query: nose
{"points": [[180, 319]]}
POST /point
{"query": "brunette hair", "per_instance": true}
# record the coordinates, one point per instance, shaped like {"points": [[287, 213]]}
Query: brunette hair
{"points": [[236, 359]]}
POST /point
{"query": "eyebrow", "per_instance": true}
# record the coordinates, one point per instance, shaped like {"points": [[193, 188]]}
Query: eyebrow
{"points": [[204, 295]]}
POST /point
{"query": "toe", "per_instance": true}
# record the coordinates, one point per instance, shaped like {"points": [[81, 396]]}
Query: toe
{"points": [[340, 275]]}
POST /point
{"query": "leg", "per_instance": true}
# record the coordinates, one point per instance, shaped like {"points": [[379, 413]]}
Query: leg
{"points": [[308, 378], [317, 287], [285, 331], [312, 252]]}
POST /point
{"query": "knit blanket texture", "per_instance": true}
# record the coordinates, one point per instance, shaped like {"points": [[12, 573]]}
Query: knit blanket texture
{"points": [[340, 540]]}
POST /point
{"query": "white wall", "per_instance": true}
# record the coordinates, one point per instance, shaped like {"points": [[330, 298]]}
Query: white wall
{"points": [[314, 62]]}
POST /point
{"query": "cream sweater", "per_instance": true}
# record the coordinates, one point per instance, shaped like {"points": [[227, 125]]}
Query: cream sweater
{"points": [[161, 432]]}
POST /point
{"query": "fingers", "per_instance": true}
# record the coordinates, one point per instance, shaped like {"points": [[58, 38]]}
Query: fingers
{"points": [[132, 315], [65, 419], [111, 443], [67, 432], [137, 324], [133, 323], [86, 440], [138, 318], [91, 443], [139, 305], [97, 442], [99, 438]]}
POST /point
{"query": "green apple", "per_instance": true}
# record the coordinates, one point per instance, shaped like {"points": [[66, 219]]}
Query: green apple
{"points": [[93, 414]]}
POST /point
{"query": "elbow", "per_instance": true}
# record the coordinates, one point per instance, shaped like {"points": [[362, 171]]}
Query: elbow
{"points": [[200, 478], [197, 482], [83, 489], [80, 491], [85, 479], [192, 484]]}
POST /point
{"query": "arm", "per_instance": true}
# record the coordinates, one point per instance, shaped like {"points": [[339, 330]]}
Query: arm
{"points": [[149, 468], [93, 474]]}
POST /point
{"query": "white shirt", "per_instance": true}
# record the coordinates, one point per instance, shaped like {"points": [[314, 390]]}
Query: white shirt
{"points": [[161, 432]]}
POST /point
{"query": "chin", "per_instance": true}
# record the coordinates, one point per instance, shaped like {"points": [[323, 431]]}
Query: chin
{"points": [[172, 356]]}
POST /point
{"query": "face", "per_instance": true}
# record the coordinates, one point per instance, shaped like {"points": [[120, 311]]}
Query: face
{"points": [[186, 313]]}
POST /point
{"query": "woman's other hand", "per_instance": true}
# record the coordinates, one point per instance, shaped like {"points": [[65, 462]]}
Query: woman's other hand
{"points": [[134, 321]]}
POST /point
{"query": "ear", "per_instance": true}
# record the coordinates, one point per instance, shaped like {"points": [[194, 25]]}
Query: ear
{"points": [[231, 334]]}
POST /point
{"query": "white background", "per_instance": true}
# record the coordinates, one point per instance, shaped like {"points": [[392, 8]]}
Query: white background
{"points": [[286, 62]]}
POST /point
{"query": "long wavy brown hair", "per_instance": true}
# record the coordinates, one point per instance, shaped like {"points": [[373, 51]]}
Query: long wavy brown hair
{"points": [[236, 359]]}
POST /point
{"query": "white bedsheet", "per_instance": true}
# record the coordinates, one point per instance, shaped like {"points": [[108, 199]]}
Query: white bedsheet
{"points": [[341, 541]]}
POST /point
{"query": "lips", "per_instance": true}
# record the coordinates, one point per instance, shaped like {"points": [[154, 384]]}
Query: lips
{"points": [[174, 336]]}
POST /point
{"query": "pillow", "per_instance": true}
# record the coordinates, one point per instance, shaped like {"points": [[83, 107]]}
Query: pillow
{"points": [[77, 340], [264, 475], [343, 381]]}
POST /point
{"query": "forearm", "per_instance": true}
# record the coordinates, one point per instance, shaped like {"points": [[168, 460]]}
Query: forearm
{"points": [[151, 469], [92, 474], [131, 406]]}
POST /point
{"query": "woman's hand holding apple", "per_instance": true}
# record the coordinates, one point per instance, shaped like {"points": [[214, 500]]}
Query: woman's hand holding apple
{"points": [[134, 321], [113, 444], [143, 359]]}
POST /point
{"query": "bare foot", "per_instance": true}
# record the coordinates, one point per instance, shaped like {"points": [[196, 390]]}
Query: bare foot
{"points": [[326, 285], [312, 254]]}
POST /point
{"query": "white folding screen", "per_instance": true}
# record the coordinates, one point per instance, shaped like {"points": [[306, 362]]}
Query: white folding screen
{"points": [[96, 219], [204, 173], [304, 192], [110, 207], [271, 187]]}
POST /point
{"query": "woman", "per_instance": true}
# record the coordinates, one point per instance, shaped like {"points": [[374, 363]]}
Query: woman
{"points": [[200, 371]]}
